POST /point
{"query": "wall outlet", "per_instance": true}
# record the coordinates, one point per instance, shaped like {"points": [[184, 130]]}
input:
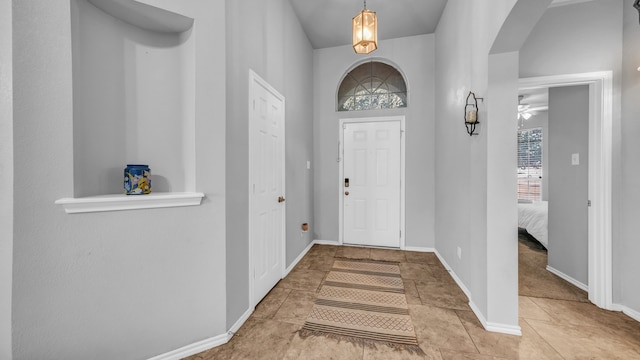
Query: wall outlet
{"points": [[459, 253]]}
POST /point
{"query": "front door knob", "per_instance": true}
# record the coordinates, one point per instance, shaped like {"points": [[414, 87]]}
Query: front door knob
{"points": [[280, 199]]}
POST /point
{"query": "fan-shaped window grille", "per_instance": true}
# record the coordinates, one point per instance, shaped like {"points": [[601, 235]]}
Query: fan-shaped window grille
{"points": [[372, 85]]}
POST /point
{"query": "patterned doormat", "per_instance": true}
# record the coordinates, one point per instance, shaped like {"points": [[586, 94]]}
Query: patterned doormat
{"points": [[363, 301]]}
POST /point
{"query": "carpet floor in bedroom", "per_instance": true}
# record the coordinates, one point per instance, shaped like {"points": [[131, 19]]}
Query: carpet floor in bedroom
{"points": [[565, 327]]}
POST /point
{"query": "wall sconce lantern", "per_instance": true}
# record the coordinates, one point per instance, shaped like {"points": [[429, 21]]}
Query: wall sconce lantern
{"points": [[471, 113], [365, 31]]}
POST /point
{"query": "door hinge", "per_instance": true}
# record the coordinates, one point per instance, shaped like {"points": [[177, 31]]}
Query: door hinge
{"points": [[588, 203]]}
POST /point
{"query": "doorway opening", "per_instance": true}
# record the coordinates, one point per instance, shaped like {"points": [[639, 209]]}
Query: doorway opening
{"points": [[599, 175]]}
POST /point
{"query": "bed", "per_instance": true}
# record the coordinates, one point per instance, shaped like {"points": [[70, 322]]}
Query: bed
{"points": [[533, 217]]}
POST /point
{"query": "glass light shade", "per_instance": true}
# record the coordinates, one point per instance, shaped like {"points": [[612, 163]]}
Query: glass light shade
{"points": [[365, 32]]}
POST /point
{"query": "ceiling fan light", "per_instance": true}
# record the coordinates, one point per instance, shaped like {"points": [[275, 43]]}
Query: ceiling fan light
{"points": [[365, 31]]}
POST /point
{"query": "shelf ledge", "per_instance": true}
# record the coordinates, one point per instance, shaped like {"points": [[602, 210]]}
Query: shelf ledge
{"points": [[129, 202]]}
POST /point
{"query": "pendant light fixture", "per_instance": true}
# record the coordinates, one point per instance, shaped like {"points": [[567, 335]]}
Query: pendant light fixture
{"points": [[365, 31]]}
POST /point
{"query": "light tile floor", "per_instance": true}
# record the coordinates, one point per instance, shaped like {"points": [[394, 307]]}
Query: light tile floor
{"points": [[445, 325]]}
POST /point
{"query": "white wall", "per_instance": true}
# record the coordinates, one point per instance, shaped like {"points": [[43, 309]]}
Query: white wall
{"points": [[6, 177], [626, 244], [414, 57], [118, 285], [266, 36]]}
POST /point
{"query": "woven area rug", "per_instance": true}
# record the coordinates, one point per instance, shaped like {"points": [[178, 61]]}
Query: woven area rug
{"points": [[363, 301]]}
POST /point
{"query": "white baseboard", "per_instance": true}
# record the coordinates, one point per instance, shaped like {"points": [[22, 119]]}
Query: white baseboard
{"points": [[495, 327], [635, 315], [568, 278], [631, 313], [419, 249], [489, 326], [297, 259], [455, 277], [326, 242], [239, 323], [194, 348], [205, 344]]}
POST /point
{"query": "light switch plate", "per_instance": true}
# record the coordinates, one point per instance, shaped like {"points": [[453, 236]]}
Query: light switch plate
{"points": [[308, 165], [575, 159]]}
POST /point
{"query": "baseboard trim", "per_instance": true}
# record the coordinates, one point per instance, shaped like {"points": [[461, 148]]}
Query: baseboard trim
{"points": [[568, 278], [194, 348], [205, 344], [236, 326], [495, 327], [453, 274], [489, 326], [297, 259], [419, 249], [635, 315], [326, 242]]}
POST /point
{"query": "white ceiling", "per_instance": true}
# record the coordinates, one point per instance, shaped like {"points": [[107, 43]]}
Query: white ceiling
{"points": [[327, 23]]}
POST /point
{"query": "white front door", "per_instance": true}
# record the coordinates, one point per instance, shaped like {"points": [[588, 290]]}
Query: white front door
{"points": [[371, 184], [266, 116]]}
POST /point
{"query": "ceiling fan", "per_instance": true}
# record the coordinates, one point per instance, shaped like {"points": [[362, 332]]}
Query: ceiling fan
{"points": [[524, 111]]}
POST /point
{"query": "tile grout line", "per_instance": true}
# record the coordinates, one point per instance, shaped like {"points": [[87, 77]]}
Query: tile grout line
{"points": [[467, 331], [543, 339]]}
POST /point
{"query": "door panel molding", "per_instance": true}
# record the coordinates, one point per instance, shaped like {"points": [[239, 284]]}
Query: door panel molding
{"points": [[279, 156], [342, 122]]}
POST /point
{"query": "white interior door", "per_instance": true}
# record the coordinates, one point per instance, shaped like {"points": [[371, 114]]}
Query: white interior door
{"points": [[266, 116], [371, 184]]}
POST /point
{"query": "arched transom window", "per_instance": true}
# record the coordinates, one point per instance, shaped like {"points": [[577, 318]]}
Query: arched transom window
{"points": [[372, 85]]}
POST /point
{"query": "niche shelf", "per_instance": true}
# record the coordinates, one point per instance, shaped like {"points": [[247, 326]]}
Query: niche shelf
{"points": [[129, 202], [134, 102]]}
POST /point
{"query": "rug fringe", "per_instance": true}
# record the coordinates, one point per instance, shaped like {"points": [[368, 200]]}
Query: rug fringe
{"points": [[414, 349]]}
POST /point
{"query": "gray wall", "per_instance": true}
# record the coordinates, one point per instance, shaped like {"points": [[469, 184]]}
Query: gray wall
{"points": [[132, 102], [116, 285], [6, 177], [588, 37], [474, 209], [414, 57], [266, 36], [626, 244], [568, 184], [541, 120]]}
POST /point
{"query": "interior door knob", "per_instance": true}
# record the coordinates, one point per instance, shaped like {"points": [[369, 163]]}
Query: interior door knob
{"points": [[280, 199]]}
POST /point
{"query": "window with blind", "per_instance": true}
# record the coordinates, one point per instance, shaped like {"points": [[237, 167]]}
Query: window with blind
{"points": [[530, 164]]}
